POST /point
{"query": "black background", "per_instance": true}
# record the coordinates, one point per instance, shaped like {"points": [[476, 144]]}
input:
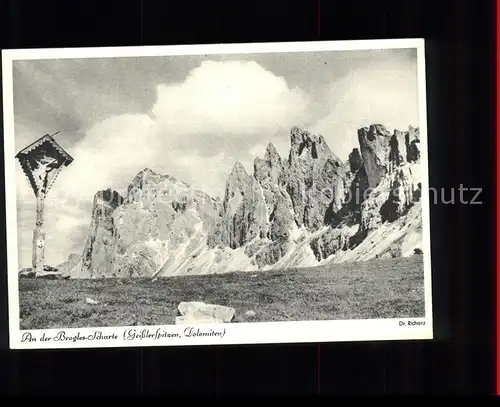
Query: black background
{"points": [[461, 133]]}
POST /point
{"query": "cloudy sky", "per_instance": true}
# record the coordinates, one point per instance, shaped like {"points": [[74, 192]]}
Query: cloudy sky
{"points": [[191, 117]]}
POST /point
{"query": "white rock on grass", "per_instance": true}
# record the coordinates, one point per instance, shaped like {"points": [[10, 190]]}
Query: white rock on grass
{"points": [[196, 312]]}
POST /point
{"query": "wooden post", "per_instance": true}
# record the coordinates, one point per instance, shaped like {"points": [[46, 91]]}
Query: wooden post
{"points": [[39, 236]]}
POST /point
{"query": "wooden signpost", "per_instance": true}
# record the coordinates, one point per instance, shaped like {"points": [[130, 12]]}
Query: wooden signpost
{"points": [[42, 161]]}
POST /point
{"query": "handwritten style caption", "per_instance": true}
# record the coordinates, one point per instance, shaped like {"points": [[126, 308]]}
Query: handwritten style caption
{"points": [[125, 334]]}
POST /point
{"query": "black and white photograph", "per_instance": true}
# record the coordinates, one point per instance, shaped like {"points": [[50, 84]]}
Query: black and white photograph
{"points": [[217, 194]]}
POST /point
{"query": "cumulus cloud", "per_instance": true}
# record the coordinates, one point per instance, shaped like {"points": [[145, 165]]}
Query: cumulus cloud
{"points": [[110, 155], [382, 92], [217, 115], [233, 98]]}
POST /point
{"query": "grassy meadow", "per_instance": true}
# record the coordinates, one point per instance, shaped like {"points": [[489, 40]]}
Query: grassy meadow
{"points": [[388, 288]]}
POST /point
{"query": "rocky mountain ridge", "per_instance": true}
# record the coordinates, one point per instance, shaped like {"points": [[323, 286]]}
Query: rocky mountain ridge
{"points": [[306, 209]]}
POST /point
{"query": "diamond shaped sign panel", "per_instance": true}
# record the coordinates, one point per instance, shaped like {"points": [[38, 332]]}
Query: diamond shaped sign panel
{"points": [[41, 162]]}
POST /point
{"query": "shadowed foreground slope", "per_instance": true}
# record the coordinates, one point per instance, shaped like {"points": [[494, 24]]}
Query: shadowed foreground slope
{"points": [[389, 288]]}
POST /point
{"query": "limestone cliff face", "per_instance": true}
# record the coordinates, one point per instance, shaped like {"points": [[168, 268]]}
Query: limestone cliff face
{"points": [[244, 213], [390, 163], [374, 142], [161, 219], [301, 210], [269, 173], [261, 211], [99, 252], [314, 179]]}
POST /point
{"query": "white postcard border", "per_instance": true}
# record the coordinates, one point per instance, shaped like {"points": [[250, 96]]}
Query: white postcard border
{"points": [[233, 333]]}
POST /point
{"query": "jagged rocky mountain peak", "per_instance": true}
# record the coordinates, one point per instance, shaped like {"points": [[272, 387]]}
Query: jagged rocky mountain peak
{"points": [[413, 130], [272, 156], [148, 179], [285, 213], [412, 138], [306, 145], [146, 171], [144, 175], [269, 169], [385, 147], [238, 171], [108, 197], [371, 132], [148, 174]]}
